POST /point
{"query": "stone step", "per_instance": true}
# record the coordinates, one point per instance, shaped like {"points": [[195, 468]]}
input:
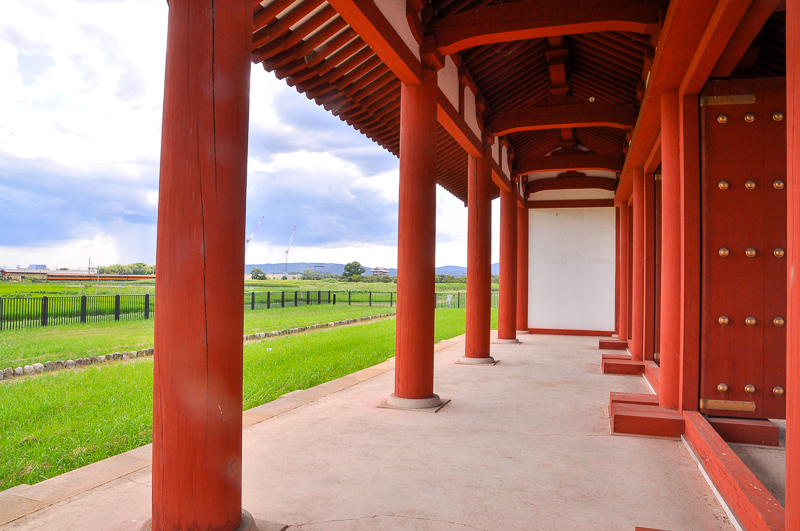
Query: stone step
{"points": [[623, 366]]}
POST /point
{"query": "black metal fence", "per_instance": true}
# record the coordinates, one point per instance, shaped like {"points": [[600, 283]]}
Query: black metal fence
{"points": [[17, 312], [43, 311]]}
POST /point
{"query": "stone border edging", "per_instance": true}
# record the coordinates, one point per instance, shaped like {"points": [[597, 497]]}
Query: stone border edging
{"points": [[37, 368]]}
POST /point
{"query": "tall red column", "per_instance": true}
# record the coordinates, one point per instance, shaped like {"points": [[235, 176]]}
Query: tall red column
{"points": [[522, 269], [670, 251], [507, 318], [479, 261], [416, 246], [648, 342], [793, 330], [624, 256], [637, 309], [197, 392]]}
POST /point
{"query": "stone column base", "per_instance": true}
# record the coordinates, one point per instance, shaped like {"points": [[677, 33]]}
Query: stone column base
{"points": [[514, 341], [464, 360], [248, 524], [523, 332]]}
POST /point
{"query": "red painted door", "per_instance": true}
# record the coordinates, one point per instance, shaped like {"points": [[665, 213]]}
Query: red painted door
{"points": [[743, 337]]}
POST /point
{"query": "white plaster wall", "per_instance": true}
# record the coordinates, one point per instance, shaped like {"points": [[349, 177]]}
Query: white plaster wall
{"points": [[571, 268], [470, 112], [504, 161], [395, 13], [496, 152], [448, 81]]}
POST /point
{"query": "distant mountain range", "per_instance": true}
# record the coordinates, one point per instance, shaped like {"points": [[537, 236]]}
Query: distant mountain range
{"points": [[337, 269]]}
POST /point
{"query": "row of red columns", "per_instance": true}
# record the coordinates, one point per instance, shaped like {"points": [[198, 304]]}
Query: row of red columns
{"points": [[197, 420]]}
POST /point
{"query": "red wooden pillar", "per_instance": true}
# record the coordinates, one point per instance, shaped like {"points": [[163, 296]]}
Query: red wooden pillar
{"points": [[637, 308], [649, 281], [416, 245], [507, 319], [793, 255], [522, 269], [479, 259], [670, 341], [197, 392], [624, 253]]}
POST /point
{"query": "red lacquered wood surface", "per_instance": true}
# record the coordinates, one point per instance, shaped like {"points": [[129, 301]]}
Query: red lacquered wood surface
{"points": [[416, 240], [479, 259], [197, 395]]}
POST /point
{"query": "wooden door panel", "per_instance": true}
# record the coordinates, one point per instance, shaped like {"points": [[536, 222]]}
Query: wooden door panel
{"points": [[743, 221]]}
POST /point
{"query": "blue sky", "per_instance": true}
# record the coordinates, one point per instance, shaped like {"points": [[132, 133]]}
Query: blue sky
{"points": [[80, 124]]}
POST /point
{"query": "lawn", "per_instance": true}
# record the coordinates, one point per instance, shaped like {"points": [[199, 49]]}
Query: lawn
{"points": [[59, 421], [31, 345]]}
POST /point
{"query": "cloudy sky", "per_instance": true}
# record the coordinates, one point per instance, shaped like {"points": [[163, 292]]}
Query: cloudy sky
{"points": [[80, 125]]}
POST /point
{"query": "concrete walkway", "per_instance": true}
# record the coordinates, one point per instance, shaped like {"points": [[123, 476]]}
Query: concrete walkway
{"points": [[523, 445]]}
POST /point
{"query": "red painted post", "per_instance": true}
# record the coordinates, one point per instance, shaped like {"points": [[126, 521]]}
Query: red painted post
{"points": [[416, 244], [507, 312], [522, 269], [792, 503], [637, 309], [197, 394], [624, 256], [479, 259], [648, 342], [670, 251]]}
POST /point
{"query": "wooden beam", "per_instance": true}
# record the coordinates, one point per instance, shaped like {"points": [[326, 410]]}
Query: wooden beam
{"points": [[454, 123], [533, 19], [743, 37], [582, 161], [726, 18], [563, 116], [683, 29], [573, 203], [373, 27], [571, 183]]}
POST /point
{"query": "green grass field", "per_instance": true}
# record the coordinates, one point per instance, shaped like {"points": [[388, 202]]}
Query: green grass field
{"points": [[59, 421], [31, 345]]}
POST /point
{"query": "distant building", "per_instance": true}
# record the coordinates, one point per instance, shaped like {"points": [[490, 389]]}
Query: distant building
{"points": [[380, 272]]}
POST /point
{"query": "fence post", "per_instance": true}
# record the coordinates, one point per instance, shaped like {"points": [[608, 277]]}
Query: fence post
{"points": [[295, 298], [308, 297], [459, 300], [253, 300], [116, 307], [268, 300], [146, 307], [329, 296], [319, 297], [44, 310], [370, 298], [1, 313], [283, 299], [391, 295], [348, 298], [334, 298]]}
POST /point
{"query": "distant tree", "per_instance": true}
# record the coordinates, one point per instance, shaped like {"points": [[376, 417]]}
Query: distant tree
{"points": [[284, 277], [309, 274], [353, 271], [257, 274]]}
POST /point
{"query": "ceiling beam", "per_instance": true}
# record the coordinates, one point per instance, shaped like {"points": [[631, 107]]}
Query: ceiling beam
{"points": [[757, 15], [563, 116], [534, 19], [571, 183], [578, 161]]}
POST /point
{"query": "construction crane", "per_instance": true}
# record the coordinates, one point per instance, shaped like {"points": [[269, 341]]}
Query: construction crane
{"points": [[247, 240], [286, 270]]}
